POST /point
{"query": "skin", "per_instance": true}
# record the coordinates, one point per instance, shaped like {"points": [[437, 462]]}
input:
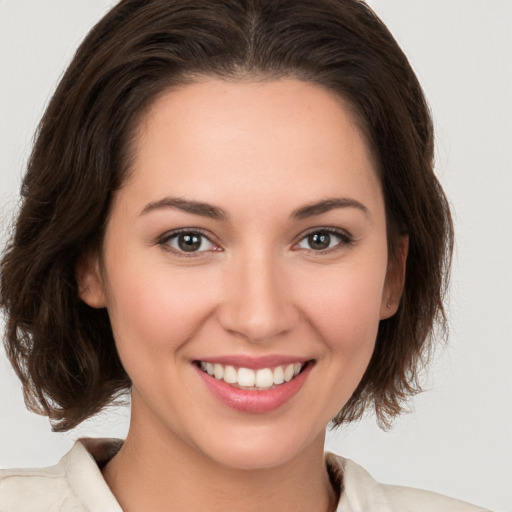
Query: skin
{"points": [[258, 151]]}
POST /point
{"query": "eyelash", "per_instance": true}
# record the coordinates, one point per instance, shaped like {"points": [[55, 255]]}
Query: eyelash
{"points": [[345, 240], [164, 240]]}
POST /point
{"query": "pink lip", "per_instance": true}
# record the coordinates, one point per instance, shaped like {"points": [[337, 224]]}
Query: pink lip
{"points": [[255, 363], [252, 401]]}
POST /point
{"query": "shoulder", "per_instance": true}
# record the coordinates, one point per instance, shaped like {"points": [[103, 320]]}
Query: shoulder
{"points": [[407, 499], [72, 485], [361, 492], [31, 490]]}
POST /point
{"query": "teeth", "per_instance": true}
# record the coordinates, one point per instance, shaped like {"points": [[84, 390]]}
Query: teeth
{"points": [[218, 371], [230, 375], [278, 375], [288, 372], [264, 378], [246, 377]]}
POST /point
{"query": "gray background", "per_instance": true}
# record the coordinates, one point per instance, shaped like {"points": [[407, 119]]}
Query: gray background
{"points": [[458, 441]]}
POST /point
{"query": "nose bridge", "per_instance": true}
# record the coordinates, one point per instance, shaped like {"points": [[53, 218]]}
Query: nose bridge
{"points": [[258, 304]]}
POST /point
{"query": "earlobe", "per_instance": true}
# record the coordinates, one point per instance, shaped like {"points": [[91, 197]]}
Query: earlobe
{"points": [[395, 280], [90, 281]]}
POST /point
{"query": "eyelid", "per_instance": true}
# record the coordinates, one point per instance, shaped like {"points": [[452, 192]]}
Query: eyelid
{"points": [[347, 239], [164, 239]]}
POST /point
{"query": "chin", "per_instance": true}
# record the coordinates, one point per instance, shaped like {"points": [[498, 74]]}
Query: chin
{"points": [[253, 449]]}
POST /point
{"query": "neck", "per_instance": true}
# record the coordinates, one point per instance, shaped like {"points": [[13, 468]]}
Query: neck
{"points": [[158, 471]]}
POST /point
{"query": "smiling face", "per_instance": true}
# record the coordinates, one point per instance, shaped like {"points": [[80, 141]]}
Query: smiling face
{"points": [[244, 268]]}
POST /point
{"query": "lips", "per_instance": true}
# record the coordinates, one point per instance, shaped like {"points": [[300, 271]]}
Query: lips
{"points": [[254, 385]]}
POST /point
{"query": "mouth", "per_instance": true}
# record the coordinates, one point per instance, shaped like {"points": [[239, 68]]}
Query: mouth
{"points": [[249, 379], [254, 385]]}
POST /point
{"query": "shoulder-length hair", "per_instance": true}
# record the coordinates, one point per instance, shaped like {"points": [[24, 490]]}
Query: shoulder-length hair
{"points": [[63, 350]]}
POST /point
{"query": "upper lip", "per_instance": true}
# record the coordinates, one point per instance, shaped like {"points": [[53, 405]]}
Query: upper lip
{"points": [[253, 362]]}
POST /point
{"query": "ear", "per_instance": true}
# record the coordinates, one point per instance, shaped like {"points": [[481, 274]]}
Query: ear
{"points": [[90, 280], [395, 279]]}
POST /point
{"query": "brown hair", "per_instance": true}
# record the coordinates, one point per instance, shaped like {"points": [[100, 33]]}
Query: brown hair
{"points": [[63, 350]]}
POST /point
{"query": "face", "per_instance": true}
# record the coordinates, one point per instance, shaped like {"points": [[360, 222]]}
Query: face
{"points": [[244, 268]]}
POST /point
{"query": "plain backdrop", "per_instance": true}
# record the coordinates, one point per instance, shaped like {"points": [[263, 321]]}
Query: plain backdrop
{"points": [[458, 439]]}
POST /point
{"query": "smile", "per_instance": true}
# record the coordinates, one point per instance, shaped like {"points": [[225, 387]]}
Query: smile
{"points": [[252, 379], [254, 385]]}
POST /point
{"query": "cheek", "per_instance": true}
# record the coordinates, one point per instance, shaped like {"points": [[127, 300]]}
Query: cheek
{"points": [[344, 307], [155, 312]]}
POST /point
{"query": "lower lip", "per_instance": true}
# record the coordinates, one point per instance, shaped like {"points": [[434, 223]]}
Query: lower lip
{"points": [[251, 401]]}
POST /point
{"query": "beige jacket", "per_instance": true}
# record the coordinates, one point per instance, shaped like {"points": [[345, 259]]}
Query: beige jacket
{"points": [[75, 484]]}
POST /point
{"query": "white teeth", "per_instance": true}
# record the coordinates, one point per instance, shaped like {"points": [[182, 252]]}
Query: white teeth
{"points": [[288, 372], [218, 371], [230, 375], [264, 378], [278, 375], [246, 377]]}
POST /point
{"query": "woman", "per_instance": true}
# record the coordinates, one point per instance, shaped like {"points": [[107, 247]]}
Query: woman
{"points": [[230, 210]]}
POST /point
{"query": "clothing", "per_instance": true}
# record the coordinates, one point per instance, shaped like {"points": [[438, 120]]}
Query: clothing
{"points": [[76, 484]]}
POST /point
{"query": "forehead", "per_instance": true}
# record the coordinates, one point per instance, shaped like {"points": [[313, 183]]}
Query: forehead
{"points": [[282, 138]]}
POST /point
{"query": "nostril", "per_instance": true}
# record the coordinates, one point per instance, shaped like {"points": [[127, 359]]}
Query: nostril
{"points": [[257, 324]]}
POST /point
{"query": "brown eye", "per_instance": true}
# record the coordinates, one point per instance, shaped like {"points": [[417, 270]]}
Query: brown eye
{"points": [[188, 242], [323, 240], [319, 241]]}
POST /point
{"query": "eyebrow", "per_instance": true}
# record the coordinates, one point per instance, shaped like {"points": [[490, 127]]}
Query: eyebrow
{"points": [[327, 205], [216, 213], [195, 207]]}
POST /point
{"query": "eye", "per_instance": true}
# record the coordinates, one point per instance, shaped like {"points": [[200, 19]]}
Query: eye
{"points": [[323, 240], [187, 242]]}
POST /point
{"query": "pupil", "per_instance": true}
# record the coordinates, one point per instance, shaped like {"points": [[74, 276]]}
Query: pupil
{"points": [[189, 243], [319, 240]]}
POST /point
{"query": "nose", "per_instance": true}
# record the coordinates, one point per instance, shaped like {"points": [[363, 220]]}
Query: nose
{"points": [[257, 303]]}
